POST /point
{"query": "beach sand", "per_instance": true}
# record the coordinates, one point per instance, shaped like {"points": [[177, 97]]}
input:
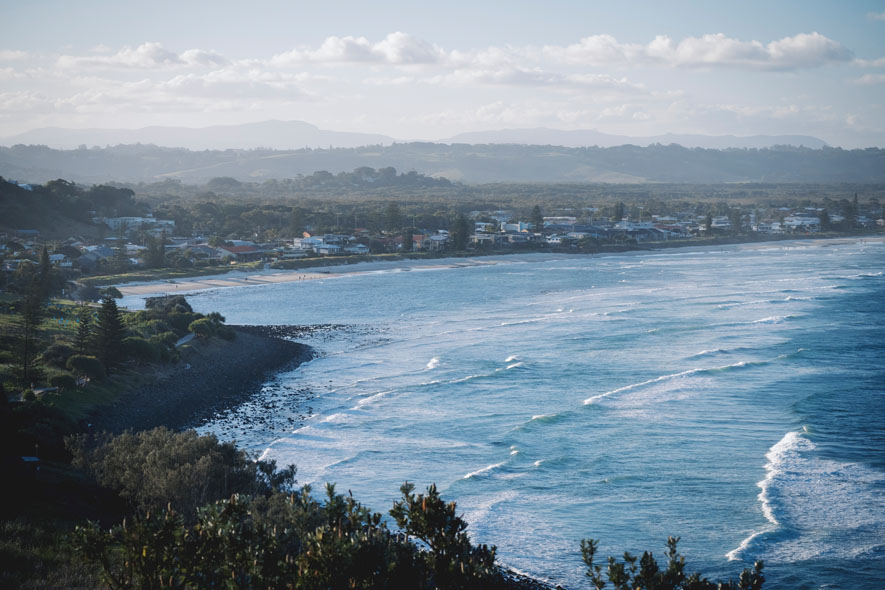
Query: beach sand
{"points": [[269, 277]]}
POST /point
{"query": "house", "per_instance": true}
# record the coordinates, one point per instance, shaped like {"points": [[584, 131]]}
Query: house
{"points": [[357, 249], [328, 249], [241, 253]]}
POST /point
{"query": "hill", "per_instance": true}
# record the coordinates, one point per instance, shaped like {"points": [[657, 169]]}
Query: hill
{"points": [[459, 162]]}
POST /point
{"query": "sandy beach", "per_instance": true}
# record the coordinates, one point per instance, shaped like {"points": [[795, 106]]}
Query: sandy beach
{"points": [[269, 277]]}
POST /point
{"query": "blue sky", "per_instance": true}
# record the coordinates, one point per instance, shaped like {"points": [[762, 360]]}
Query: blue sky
{"points": [[419, 70]]}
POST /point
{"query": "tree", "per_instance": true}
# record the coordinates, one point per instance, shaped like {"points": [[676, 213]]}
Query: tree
{"points": [[708, 224], [84, 329], [407, 241], [537, 218], [649, 576], [460, 232], [45, 274], [393, 217], [27, 342], [824, 220], [108, 333], [620, 210], [454, 561]]}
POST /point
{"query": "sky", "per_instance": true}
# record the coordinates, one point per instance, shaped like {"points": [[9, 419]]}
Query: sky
{"points": [[430, 70]]}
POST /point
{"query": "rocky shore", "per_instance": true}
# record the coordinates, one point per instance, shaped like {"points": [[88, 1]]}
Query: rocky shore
{"points": [[210, 377]]}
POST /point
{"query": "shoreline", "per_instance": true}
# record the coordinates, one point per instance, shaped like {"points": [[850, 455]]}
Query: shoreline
{"points": [[210, 379], [270, 277]]}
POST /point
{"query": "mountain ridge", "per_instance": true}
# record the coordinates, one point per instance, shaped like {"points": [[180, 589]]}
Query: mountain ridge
{"points": [[294, 134]]}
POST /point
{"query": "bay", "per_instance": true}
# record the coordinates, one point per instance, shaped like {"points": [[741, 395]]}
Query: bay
{"points": [[730, 396]]}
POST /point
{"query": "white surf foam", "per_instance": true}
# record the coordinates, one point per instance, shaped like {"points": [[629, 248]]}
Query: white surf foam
{"points": [[814, 507], [432, 364]]}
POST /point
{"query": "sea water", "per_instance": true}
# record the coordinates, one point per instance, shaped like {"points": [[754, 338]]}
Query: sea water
{"points": [[734, 397]]}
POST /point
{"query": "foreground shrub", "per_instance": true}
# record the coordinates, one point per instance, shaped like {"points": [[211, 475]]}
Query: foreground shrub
{"points": [[139, 349], [57, 355], [649, 576], [86, 366], [155, 468], [454, 561], [63, 381]]}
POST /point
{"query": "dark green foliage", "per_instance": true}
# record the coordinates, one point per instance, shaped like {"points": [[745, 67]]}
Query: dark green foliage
{"points": [[84, 329], [27, 344], [153, 468], [111, 292], [139, 349], [86, 366], [460, 232], [454, 561], [108, 334], [63, 382], [168, 303], [648, 575], [57, 355], [537, 218]]}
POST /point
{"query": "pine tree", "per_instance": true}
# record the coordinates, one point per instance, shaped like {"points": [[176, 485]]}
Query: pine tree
{"points": [[27, 342], [537, 219], [108, 333], [460, 233], [45, 274], [84, 330]]}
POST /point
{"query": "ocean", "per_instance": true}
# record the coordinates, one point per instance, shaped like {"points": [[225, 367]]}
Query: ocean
{"points": [[732, 396]]}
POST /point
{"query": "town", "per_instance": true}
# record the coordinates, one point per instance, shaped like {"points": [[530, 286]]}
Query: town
{"points": [[206, 238]]}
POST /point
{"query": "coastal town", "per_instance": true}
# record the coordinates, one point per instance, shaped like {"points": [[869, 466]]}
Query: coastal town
{"points": [[114, 244]]}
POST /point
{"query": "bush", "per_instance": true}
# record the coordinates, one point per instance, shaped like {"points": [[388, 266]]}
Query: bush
{"points": [[203, 328], [86, 366], [57, 355], [139, 349], [649, 576], [153, 468], [167, 339], [63, 381]]}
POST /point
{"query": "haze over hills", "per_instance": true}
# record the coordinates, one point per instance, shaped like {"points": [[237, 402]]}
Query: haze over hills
{"points": [[591, 137], [289, 135], [280, 135], [458, 162]]}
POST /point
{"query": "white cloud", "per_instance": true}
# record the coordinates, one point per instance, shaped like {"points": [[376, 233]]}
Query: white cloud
{"points": [[871, 63], [535, 77], [805, 50], [149, 55], [12, 55], [870, 79], [876, 15], [396, 49]]}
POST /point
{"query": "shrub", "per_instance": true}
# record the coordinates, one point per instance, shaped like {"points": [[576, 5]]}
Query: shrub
{"points": [[56, 355], [203, 328], [140, 349], [63, 381], [87, 366], [167, 339], [153, 468], [649, 576]]}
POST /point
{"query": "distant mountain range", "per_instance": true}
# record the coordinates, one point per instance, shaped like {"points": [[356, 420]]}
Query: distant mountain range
{"points": [[278, 135], [591, 137], [288, 135], [481, 163]]}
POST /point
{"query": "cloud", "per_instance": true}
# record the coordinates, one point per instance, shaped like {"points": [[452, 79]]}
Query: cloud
{"points": [[396, 49], [806, 50], [871, 63], [535, 78], [149, 55], [12, 55], [870, 79], [876, 15]]}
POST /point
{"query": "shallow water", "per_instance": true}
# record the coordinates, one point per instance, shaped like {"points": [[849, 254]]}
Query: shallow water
{"points": [[733, 397]]}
